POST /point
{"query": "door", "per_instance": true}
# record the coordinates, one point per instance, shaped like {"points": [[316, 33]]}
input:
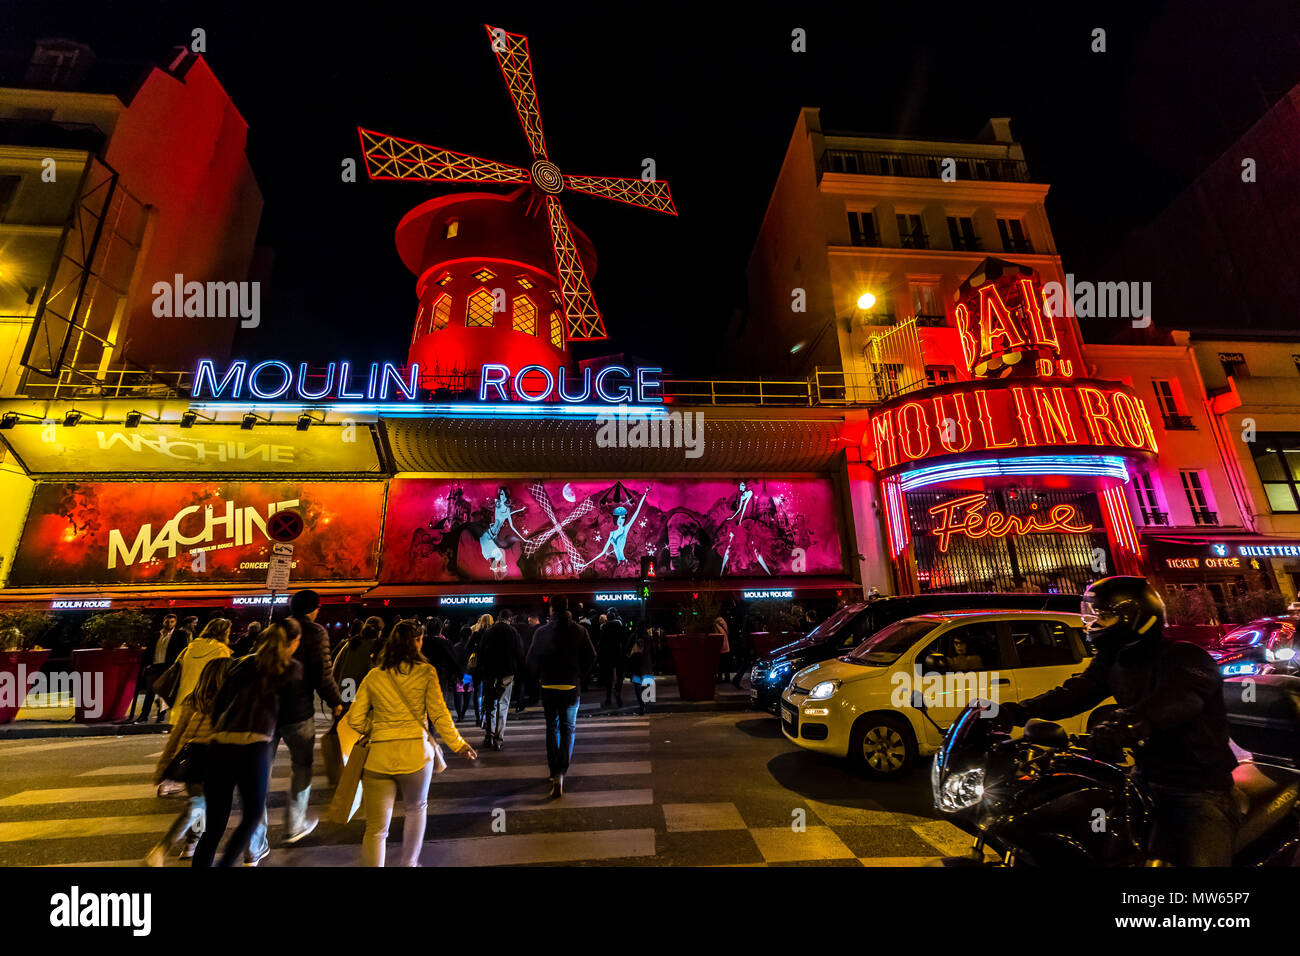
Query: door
{"points": [[977, 667], [1047, 653]]}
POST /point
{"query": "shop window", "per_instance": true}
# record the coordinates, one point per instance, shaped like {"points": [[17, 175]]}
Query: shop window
{"points": [[525, 316], [557, 331], [478, 313], [1277, 459], [911, 232], [1013, 236], [441, 313], [1042, 643], [970, 648], [1195, 487], [961, 230], [862, 229]]}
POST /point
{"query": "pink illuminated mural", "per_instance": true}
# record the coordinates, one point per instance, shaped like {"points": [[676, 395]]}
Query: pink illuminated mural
{"points": [[513, 529]]}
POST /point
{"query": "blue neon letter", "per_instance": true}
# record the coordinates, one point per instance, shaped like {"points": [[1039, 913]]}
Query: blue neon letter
{"points": [[624, 393], [645, 380], [284, 385], [208, 371], [493, 376]]}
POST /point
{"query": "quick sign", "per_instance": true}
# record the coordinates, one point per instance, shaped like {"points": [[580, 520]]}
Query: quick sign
{"points": [[1012, 414], [467, 600]]}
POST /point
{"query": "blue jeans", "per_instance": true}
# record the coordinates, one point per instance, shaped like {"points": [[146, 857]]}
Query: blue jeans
{"points": [[190, 819], [560, 708], [231, 767], [301, 740], [496, 705], [1192, 827]]}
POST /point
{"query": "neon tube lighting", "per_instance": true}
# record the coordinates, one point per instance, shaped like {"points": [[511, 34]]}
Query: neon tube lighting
{"points": [[1102, 466], [509, 410]]}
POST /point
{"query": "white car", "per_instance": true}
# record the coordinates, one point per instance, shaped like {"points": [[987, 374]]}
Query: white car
{"points": [[860, 706]]}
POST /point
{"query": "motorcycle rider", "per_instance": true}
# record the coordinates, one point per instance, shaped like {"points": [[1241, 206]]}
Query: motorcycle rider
{"points": [[1170, 696]]}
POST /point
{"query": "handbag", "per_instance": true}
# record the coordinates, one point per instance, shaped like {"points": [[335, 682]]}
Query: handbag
{"points": [[432, 752], [347, 795], [190, 765], [331, 751], [169, 681]]}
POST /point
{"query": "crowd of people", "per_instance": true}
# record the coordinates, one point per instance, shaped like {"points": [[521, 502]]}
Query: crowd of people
{"points": [[231, 701]]}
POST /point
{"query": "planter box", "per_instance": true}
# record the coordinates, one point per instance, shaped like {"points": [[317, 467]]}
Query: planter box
{"points": [[112, 674], [1201, 634], [764, 642], [695, 660], [10, 662]]}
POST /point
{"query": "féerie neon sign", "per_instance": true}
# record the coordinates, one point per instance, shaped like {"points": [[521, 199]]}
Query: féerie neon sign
{"points": [[966, 515]]}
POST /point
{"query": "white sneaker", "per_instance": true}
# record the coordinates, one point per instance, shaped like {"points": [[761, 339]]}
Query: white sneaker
{"points": [[255, 858], [170, 788], [293, 838]]}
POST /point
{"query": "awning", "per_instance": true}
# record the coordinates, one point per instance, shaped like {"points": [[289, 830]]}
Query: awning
{"points": [[166, 597], [503, 592]]}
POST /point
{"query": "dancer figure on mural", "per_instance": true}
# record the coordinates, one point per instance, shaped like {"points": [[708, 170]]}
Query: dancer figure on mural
{"points": [[751, 534], [617, 540], [502, 515]]}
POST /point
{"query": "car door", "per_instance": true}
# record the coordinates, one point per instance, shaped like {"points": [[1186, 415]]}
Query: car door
{"points": [[980, 672], [1045, 652]]}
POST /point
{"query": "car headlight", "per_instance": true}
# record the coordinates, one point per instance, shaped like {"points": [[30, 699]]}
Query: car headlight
{"points": [[779, 669], [825, 689], [1281, 654], [960, 790]]}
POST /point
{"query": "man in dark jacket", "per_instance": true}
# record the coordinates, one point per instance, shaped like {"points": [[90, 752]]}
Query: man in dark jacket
{"points": [[441, 653], [159, 654], [297, 727], [612, 650], [560, 655], [1171, 710], [500, 658]]}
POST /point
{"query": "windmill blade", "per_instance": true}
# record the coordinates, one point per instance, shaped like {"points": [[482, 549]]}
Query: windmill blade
{"points": [[388, 157], [517, 67], [582, 317], [635, 192]]}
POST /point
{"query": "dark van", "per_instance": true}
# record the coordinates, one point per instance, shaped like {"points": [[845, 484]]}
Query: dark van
{"points": [[852, 624]]}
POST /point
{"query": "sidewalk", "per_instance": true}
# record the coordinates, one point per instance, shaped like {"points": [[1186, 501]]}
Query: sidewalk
{"points": [[667, 701]]}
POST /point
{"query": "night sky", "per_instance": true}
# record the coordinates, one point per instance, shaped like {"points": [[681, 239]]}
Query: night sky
{"points": [[712, 96]]}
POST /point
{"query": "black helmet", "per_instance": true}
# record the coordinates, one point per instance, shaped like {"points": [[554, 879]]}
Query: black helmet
{"points": [[1122, 604]]}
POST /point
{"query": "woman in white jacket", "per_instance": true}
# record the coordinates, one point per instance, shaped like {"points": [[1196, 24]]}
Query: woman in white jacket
{"points": [[394, 705]]}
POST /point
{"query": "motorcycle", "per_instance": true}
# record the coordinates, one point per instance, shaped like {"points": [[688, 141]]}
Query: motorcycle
{"points": [[1046, 799]]}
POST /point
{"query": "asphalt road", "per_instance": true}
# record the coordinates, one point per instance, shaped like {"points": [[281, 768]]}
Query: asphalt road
{"points": [[691, 789]]}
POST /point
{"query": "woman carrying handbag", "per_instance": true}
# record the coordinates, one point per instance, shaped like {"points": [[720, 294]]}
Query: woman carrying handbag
{"points": [[393, 708]]}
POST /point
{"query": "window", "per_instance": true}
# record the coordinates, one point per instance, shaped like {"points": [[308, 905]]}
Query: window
{"points": [[939, 375], [1194, 486], [1148, 496], [555, 297], [445, 280], [441, 313], [452, 230], [483, 275], [862, 229], [524, 282], [1042, 643], [911, 232], [926, 306], [525, 316], [478, 313], [1277, 459], [557, 331], [1234, 364], [961, 230], [973, 647], [1167, 400], [1013, 235]]}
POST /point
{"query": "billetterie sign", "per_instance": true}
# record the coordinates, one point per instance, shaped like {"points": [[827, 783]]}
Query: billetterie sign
{"points": [[273, 380]]}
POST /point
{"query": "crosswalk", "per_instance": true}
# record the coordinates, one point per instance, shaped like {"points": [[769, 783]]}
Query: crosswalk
{"points": [[117, 805]]}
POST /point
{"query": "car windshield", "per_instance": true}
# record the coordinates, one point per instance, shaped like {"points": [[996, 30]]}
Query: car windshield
{"points": [[889, 644], [833, 623]]}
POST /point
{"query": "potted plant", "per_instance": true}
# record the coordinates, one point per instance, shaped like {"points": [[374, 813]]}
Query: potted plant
{"points": [[108, 666], [695, 650], [779, 623], [1253, 604], [21, 657]]}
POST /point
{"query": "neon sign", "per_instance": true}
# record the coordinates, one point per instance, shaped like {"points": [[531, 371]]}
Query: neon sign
{"points": [[974, 417], [616, 597], [259, 600], [1002, 319], [80, 605], [273, 380], [467, 600], [613, 384], [966, 516], [768, 594]]}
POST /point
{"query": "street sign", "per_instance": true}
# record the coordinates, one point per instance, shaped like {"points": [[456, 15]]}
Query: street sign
{"points": [[277, 569], [284, 526]]}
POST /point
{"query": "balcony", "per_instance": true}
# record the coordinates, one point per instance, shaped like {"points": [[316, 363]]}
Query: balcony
{"points": [[1155, 517], [967, 244], [1203, 516], [914, 240], [927, 321], [1179, 423], [920, 165], [1019, 245]]}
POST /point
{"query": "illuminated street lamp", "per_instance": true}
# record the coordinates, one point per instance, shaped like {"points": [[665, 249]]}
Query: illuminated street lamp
{"points": [[866, 301]]}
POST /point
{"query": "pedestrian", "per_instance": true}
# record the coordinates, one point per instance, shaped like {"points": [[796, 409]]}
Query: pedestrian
{"points": [[355, 658], [192, 727], [172, 639], [151, 666], [248, 641], [441, 653], [613, 640], [211, 644], [394, 705], [640, 666], [720, 629], [500, 658], [476, 633], [560, 655], [465, 685], [243, 730]]}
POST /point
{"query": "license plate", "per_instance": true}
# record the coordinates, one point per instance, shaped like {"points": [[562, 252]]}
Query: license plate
{"points": [[753, 693]]}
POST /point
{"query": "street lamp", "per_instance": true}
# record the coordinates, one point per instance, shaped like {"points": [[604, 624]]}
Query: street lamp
{"points": [[866, 301]]}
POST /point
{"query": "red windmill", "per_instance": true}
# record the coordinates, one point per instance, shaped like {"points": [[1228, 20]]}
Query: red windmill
{"points": [[426, 236]]}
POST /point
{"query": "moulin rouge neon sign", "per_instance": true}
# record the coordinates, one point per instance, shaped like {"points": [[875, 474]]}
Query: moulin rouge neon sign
{"points": [[966, 516]]}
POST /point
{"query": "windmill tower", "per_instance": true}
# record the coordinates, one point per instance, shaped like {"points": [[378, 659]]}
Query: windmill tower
{"points": [[500, 278]]}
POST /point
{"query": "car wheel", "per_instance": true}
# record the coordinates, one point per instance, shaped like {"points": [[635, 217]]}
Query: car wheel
{"points": [[882, 746]]}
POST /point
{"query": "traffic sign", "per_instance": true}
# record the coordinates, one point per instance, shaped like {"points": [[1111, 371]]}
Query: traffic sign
{"points": [[284, 525], [278, 567]]}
